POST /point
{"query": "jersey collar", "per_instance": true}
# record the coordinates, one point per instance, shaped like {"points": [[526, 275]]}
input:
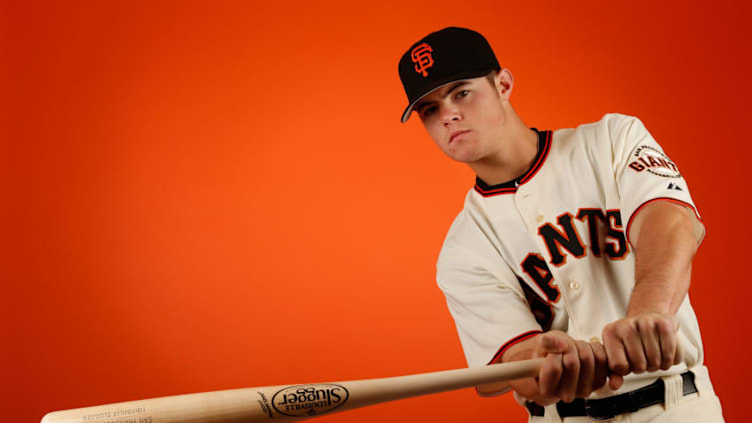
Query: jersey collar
{"points": [[510, 187]]}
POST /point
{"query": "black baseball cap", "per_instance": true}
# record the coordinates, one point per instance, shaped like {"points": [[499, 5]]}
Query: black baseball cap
{"points": [[443, 57]]}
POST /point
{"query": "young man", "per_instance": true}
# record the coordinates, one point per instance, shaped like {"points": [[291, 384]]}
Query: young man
{"points": [[575, 245]]}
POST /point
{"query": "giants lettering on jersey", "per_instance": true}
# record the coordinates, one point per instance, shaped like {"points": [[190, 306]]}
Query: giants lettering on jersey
{"points": [[563, 239], [542, 310]]}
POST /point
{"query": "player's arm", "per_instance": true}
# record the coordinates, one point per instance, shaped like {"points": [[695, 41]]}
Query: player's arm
{"points": [[573, 369], [664, 245]]}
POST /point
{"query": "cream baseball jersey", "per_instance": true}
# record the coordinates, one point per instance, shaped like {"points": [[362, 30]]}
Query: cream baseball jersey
{"points": [[550, 250]]}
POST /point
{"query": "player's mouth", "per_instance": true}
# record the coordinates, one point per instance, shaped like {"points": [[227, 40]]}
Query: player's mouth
{"points": [[456, 134]]}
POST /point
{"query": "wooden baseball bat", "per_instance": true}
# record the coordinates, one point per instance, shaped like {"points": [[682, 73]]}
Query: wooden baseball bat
{"points": [[294, 402]]}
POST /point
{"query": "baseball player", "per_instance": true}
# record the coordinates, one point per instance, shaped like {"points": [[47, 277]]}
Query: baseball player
{"points": [[575, 245]]}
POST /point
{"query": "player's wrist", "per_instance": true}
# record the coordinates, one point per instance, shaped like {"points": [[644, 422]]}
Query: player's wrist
{"points": [[523, 350], [654, 309], [650, 299]]}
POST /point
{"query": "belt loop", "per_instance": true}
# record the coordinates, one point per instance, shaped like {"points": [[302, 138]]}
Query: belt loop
{"points": [[674, 390], [551, 415]]}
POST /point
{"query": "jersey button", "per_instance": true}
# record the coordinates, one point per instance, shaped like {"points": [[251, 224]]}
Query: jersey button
{"points": [[574, 285], [595, 339], [539, 218]]}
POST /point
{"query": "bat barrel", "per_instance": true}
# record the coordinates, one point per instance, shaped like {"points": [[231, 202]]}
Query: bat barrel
{"points": [[284, 403], [220, 406]]}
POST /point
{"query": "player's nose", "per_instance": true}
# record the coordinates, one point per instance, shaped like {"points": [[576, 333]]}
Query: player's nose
{"points": [[450, 114]]}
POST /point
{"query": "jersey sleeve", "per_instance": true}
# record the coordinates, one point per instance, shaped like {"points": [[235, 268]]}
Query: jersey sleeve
{"points": [[644, 172], [483, 296]]}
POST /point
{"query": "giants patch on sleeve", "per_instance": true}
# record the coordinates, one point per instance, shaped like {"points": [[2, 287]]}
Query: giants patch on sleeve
{"points": [[652, 160]]}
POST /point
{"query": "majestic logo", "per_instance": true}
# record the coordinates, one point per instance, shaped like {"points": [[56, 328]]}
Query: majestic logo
{"points": [[309, 400], [422, 58], [655, 162]]}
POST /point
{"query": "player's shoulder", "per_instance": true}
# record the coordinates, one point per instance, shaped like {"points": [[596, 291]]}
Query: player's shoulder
{"points": [[466, 232], [469, 257], [610, 122], [614, 119], [609, 129], [464, 226]]}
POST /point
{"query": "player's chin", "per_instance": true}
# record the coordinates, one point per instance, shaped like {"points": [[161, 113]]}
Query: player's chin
{"points": [[461, 150], [463, 155]]}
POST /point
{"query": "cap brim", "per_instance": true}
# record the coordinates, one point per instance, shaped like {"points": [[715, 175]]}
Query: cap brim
{"points": [[464, 75]]}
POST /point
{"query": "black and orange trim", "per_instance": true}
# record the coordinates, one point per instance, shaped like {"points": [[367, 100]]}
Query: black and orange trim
{"points": [[669, 199], [510, 187], [516, 339], [508, 344]]}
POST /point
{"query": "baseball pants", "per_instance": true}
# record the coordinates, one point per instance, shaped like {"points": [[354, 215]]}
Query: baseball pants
{"points": [[701, 407]]}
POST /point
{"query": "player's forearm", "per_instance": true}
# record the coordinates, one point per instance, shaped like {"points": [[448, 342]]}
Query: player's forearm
{"points": [[664, 245]]}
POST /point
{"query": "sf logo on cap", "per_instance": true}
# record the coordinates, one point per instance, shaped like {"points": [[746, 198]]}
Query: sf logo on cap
{"points": [[422, 58]]}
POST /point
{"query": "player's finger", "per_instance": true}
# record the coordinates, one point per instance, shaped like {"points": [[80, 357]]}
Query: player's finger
{"points": [[635, 350], [570, 375], [617, 357], [587, 369], [528, 388], [600, 365], [550, 343], [550, 375], [668, 344], [650, 342], [615, 381]]}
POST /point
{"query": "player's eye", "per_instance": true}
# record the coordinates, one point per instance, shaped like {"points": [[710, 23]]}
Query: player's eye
{"points": [[428, 111], [462, 93]]}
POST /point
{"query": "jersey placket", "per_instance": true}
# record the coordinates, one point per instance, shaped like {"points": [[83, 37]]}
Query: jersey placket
{"points": [[528, 207]]}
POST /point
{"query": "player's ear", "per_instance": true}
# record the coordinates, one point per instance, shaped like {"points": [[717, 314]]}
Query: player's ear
{"points": [[504, 82]]}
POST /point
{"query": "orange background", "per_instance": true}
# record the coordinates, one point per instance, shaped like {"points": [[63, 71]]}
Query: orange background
{"points": [[210, 195]]}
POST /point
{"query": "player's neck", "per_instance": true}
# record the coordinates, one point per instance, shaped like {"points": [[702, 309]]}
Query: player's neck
{"points": [[513, 158]]}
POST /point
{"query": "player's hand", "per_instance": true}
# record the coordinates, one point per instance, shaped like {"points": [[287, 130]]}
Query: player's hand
{"points": [[640, 343], [572, 369]]}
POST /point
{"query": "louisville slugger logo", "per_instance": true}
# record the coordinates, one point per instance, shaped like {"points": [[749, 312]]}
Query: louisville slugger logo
{"points": [[309, 400]]}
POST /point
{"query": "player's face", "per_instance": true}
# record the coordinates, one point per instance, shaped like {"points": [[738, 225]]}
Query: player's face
{"points": [[464, 118]]}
